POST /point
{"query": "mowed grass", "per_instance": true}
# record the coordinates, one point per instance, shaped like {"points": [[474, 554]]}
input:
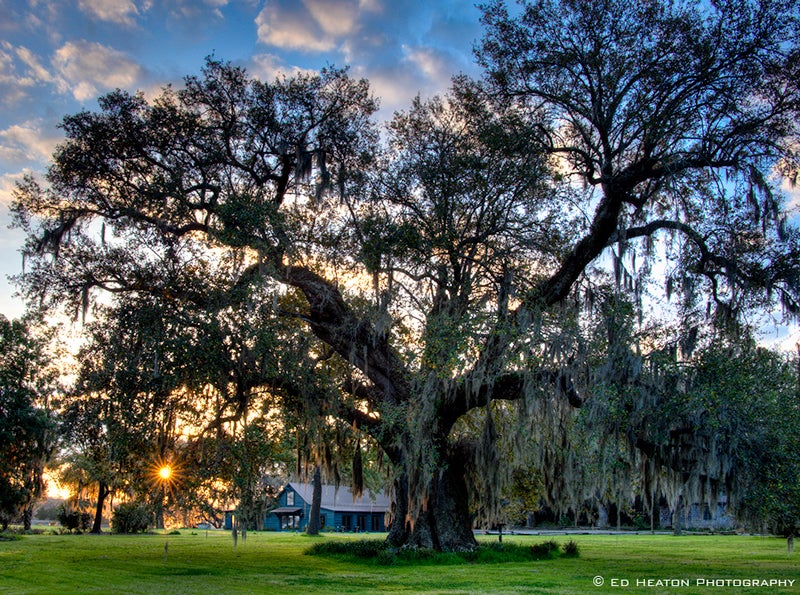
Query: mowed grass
{"points": [[277, 563]]}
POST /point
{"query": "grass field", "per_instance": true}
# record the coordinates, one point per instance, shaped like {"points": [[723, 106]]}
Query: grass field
{"points": [[197, 562]]}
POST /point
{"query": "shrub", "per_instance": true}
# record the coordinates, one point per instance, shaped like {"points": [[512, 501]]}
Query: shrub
{"points": [[570, 549], [384, 554], [73, 520], [363, 548], [9, 537], [547, 549], [131, 517]]}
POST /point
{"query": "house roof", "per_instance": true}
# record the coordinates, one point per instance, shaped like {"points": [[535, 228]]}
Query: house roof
{"points": [[341, 499], [288, 510]]}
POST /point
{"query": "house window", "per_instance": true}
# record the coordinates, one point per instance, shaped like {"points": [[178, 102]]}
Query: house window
{"points": [[290, 498], [376, 522], [347, 522], [322, 521], [290, 522]]}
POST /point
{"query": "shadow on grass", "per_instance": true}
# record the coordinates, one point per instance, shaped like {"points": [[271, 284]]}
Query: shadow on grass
{"points": [[373, 551]]}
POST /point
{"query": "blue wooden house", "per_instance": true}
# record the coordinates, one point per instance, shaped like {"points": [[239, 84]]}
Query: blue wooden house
{"points": [[339, 510]]}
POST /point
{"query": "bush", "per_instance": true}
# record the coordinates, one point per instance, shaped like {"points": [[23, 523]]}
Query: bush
{"points": [[384, 554], [73, 520], [570, 549], [131, 517], [547, 549], [363, 548], [9, 537]]}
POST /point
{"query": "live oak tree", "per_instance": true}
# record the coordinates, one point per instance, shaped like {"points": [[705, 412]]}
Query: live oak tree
{"points": [[448, 271]]}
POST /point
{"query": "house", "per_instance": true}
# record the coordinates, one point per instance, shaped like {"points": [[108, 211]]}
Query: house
{"points": [[339, 510], [701, 516]]}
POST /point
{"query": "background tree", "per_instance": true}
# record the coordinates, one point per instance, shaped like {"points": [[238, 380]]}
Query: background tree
{"points": [[27, 429], [750, 430]]}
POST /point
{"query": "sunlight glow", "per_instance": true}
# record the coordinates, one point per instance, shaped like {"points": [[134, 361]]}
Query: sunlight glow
{"points": [[165, 473]]}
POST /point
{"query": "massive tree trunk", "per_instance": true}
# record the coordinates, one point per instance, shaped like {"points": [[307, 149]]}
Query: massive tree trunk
{"points": [[448, 520], [439, 518], [102, 492]]}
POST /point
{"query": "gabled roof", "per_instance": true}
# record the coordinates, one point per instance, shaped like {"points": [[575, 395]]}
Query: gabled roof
{"points": [[341, 499]]}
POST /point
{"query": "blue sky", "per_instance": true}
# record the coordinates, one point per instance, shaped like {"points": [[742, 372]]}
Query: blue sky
{"points": [[56, 58]]}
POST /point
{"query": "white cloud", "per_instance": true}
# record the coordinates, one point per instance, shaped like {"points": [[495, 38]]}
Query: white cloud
{"points": [[312, 25], [334, 18], [8, 183], [20, 71], [431, 63], [121, 12], [192, 9], [371, 5], [267, 67], [39, 72], [792, 193], [8, 72], [288, 29], [27, 142], [86, 67], [419, 70]]}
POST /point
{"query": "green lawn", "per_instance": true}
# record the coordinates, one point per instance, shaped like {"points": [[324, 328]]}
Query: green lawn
{"points": [[276, 563]]}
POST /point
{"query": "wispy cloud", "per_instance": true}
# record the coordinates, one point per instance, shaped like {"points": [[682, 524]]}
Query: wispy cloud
{"points": [[20, 71], [120, 12], [312, 25], [193, 9], [281, 27], [336, 19], [267, 67], [8, 184], [403, 50], [84, 68], [35, 67], [28, 143]]}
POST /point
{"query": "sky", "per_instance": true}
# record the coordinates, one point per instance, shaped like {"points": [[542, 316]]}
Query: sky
{"points": [[57, 57]]}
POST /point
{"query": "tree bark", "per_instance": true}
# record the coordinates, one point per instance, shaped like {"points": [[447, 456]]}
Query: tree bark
{"points": [[676, 516], [316, 503], [399, 531], [102, 492], [450, 521], [444, 523], [27, 516]]}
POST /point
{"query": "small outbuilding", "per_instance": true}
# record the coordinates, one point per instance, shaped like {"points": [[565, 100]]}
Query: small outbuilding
{"points": [[339, 510]]}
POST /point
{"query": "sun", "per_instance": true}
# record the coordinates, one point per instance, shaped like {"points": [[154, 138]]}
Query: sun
{"points": [[165, 472]]}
